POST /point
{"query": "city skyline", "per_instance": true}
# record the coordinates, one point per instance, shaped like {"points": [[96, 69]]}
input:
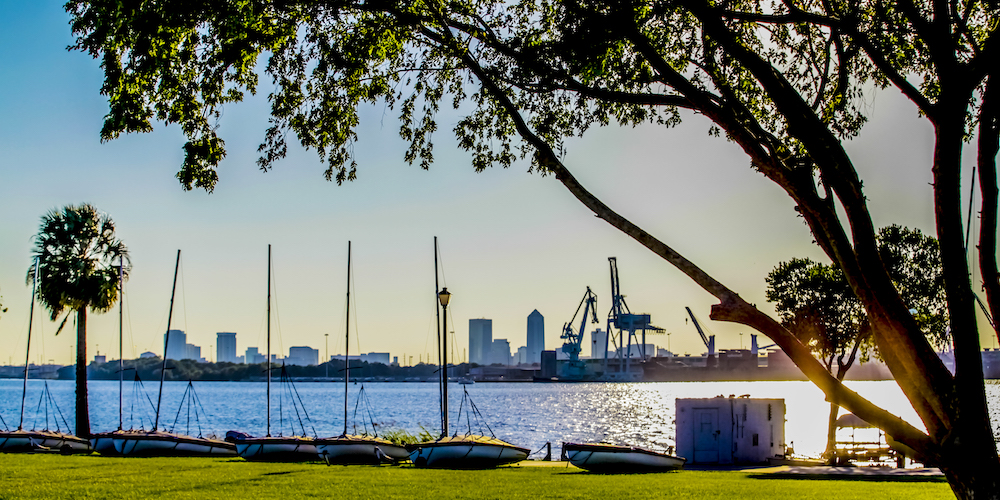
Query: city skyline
{"points": [[511, 242]]}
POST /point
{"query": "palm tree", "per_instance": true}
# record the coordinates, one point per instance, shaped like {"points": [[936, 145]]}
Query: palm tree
{"points": [[79, 259]]}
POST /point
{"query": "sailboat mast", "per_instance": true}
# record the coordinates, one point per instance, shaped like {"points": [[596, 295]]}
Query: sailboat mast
{"points": [[166, 341], [347, 336], [121, 315], [268, 362], [437, 313], [27, 350], [442, 348]]}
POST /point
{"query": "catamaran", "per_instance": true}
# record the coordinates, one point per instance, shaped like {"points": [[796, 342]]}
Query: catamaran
{"points": [[469, 451], [273, 448], [22, 440], [348, 449], [156, 442]]}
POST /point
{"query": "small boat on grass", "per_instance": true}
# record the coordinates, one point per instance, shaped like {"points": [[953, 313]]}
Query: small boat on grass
{"points": [[608, 458], [466, 452], [162, 444], [21, 440], [470, 451], [158, 443], [364, 449], [276, 448]]}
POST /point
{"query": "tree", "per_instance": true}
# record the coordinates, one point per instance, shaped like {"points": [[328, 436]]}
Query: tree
{"points": [[2, 308], [78, 258], [786, 81], [815, 302]]}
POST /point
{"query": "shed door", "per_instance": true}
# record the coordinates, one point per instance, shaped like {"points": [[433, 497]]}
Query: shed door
{"points": [[706, 435]]}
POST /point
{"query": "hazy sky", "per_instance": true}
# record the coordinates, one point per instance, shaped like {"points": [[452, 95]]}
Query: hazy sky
{"points": [[511, 242]]}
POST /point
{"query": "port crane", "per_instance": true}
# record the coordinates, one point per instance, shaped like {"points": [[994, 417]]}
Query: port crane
{"points": [[574, 368], [622, 328], [708, 340]]}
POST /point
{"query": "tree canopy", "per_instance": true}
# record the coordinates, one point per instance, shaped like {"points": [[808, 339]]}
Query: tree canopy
{"points": [[786, 81]]}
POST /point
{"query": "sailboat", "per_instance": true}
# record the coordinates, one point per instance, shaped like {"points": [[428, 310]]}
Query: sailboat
{"points": [[158, 443], [104, 442], [599, 457], [22, 440], [347, 449], [273, 448], [469, 451]]}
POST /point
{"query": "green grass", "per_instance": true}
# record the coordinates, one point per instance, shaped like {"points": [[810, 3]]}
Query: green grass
{"points": [[54, 476]]}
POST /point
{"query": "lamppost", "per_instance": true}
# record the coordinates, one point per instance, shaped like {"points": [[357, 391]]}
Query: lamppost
{"points": [[444, 297], [741, 340], [327, 363]]}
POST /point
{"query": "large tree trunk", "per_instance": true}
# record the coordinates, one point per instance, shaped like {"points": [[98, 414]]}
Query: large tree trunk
{"points": [[969, 475], [82, 405], [831, 435]]}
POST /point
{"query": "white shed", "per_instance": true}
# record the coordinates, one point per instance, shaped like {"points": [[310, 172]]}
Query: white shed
{"points": [[730, 430]]}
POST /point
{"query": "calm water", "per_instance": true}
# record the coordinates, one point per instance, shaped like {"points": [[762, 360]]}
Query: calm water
{"points": [[639, 414]]}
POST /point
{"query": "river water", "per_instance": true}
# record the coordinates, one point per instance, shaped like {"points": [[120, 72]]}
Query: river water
{"points": [[526, 414]]}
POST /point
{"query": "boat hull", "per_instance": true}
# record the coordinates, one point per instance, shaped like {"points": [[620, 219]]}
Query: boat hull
{"points": [[26, 441], [606, 458], [474, 452], [164, 444], [359, 450], [277, 449]]}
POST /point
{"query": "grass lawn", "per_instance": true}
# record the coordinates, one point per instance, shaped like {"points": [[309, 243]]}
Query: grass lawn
{"points": [[53, 476]]}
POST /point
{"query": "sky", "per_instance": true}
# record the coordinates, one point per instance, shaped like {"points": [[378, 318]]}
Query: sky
{"points": [[511, 242]]}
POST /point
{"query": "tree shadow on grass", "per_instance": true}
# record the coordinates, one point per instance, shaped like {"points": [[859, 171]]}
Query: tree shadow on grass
{"points": [[880, 478]]}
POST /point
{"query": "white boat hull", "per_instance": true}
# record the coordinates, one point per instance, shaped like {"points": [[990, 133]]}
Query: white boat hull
{"points": [[160, 444], [277, 449], [604, 458], [22, 441], [459, 453], [359, 450]]}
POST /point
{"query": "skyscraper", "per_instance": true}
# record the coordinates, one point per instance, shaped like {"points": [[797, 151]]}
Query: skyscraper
{"points": [[536, 336], [176, 341], [225, 347], [598, 343], [480, 340]]}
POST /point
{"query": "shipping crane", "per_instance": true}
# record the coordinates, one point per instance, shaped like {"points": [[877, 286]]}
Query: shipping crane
{"points": [[708, 340], [620, 321], [754, 348], [574, 368]]}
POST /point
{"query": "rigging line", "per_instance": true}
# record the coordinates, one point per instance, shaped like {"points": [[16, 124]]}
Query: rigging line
{"points": [[38, 409], [184, 298], [197, 400], [277, 314], [127, 301], [304, 411], [354, 292], [180, 407], [56, 406]]}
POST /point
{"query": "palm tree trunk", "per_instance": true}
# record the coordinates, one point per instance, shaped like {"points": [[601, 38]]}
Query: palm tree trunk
{"points": [[82, 405]]}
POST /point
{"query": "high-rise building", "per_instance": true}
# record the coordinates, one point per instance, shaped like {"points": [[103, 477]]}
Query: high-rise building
{"points": [[253, 356], [176, 341], [522, 355], [480, 340], [536, 337], [225, 347], [500, 352], [598, 343], [302, 356], [178, 347]]}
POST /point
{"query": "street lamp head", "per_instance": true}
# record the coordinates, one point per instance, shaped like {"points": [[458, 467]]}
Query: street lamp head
{"points": [[444, 296]]}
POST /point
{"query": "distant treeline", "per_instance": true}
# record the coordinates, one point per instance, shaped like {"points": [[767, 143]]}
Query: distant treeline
{"points": [[186, 369]]}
